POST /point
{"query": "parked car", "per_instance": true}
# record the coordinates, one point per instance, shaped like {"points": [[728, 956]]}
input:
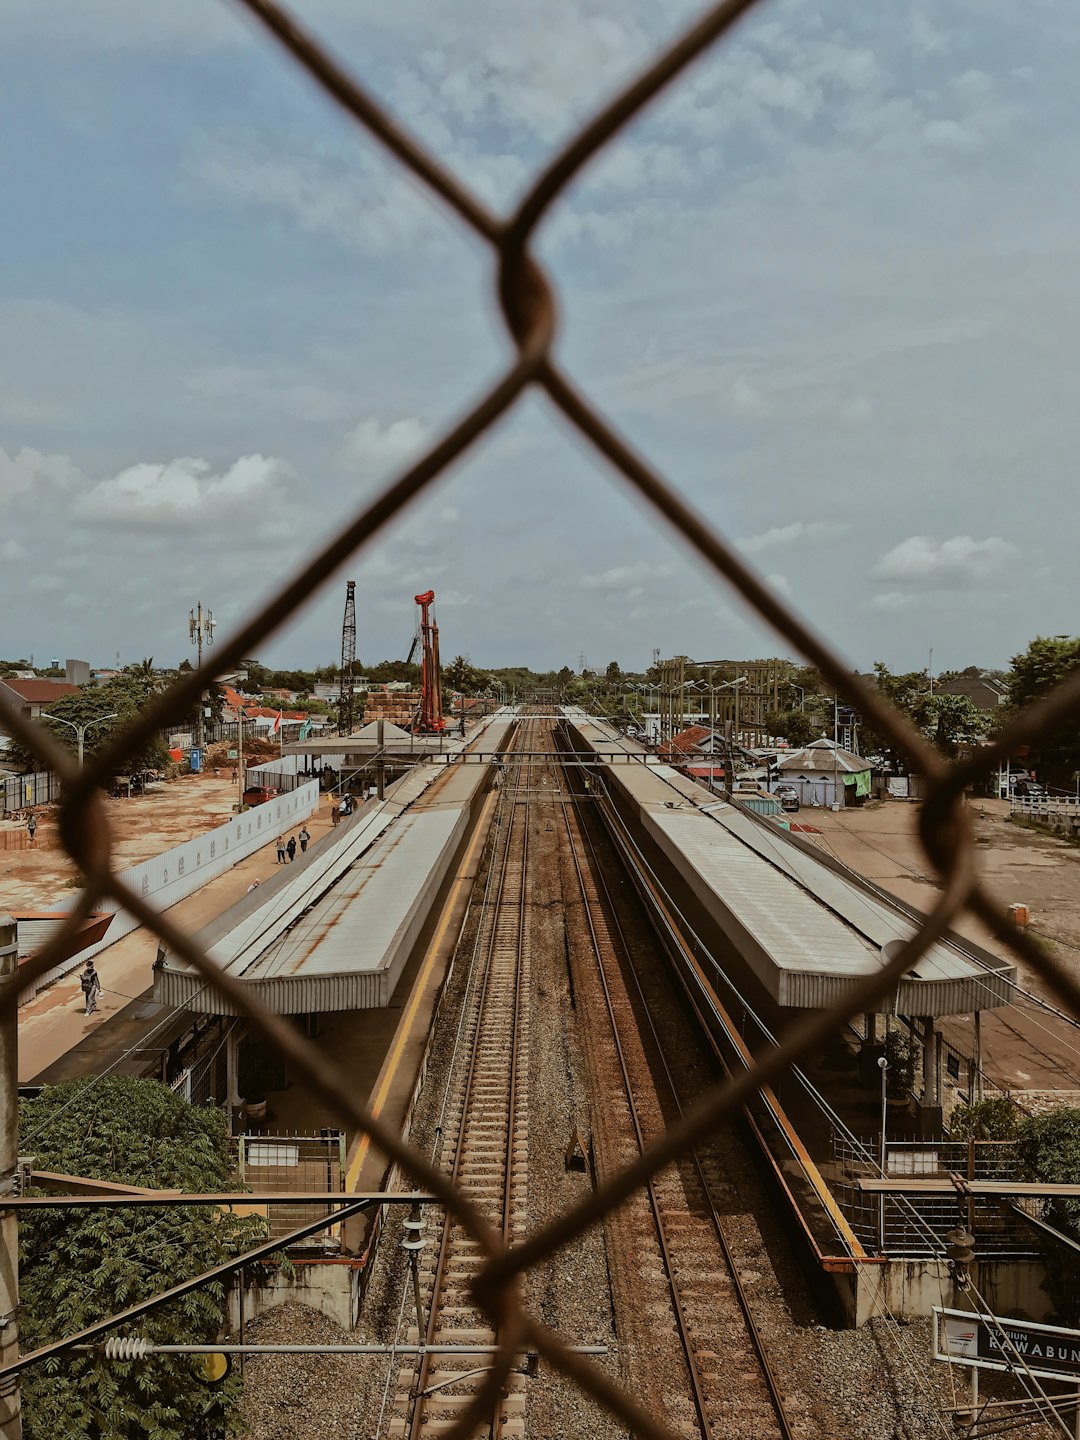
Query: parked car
{"points": [[1029, 789], [788, 797]]}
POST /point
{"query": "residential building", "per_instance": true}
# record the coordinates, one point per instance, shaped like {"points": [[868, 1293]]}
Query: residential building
{"points": [[33, 696]]}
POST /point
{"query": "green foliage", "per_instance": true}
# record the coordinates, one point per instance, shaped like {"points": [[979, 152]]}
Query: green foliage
{"points": [[613, 672], [123, 697], [901, 1051], [461, 675], [796, 727], [948, 721], [1049, 1148], [995, 1118], [1046, 662], [80, 1267]]}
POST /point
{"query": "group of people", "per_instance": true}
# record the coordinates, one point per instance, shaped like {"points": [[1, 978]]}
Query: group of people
{"points": [[287, 848]]}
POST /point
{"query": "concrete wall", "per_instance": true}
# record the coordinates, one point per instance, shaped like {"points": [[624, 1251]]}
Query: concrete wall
{"points": [[911, 1288], [326, 1285]]}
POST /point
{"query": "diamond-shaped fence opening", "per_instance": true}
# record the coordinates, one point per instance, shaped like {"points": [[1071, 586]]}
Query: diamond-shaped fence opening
{"points": [[526, 299]]}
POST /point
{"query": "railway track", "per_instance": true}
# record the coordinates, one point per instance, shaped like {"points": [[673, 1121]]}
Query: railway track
{"points": [[485, 1136], [730, 1378]]}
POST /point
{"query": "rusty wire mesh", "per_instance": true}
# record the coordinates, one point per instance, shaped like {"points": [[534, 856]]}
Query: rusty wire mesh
{"points": [[528, 305]]}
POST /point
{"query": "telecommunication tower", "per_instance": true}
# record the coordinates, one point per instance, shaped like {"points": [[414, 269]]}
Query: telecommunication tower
{"points": [[348, 661], [201, 629]]}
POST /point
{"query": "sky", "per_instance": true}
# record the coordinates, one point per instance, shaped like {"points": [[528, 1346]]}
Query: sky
{"points": [[827, 283]]}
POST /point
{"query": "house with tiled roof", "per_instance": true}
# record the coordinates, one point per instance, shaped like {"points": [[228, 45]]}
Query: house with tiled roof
{"points": [[693, 741], [32, 696]]}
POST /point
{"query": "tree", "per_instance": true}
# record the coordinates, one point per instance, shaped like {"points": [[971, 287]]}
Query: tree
{"points": [[796, 727], [613, 672], [77, 1267], [1049, 1147], [1040, 668], [461, 675], [948, 721], [122, 697], [564, 677]]}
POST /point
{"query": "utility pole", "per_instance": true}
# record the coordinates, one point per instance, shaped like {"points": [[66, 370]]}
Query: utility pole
{"points": [[200, 628], [10, 1400]]}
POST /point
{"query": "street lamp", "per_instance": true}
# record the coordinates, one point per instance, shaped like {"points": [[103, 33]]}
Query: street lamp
{"points": [[80, 730]]}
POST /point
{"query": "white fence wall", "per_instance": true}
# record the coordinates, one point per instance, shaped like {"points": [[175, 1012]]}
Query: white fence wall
{"points": [[179, 872]]}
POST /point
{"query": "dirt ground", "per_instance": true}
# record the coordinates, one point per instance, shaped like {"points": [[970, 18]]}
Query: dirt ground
{"points": [[1023, 1047], [142, 826]]}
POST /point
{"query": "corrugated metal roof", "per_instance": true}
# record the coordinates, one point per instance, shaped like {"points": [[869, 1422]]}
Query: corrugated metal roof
{"points": [[806, 930], [335, 931], [825, 757]]}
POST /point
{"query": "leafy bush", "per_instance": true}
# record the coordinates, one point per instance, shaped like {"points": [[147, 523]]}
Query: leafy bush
{"points": [[78, 1267], [1049, 1148], [901, 1051], [992, 1119]]}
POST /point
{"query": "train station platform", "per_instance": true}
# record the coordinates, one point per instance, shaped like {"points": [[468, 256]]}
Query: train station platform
{"points": [[336, 933], [805, 928]]}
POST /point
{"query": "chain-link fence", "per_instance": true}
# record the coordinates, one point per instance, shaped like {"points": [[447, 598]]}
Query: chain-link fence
{"points": [[527, 300]]}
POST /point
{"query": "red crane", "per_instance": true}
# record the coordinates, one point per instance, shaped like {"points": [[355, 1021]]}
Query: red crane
{"points": [[431, 719]]}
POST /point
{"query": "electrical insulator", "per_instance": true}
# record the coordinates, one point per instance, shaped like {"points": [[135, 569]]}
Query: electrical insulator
{"points": [[960, 1248], [127, 1347]]}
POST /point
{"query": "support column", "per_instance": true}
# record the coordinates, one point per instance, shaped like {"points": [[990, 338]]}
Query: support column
{"points": [[930, 1116], [380, 763], [233, 1101], [10, 1400]]}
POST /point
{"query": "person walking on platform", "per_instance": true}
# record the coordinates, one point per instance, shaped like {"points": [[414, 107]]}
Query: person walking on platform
{"points": [[304, 838], [91, 986], [281, 850], [31, 826], [335, 816], [291, 847]]}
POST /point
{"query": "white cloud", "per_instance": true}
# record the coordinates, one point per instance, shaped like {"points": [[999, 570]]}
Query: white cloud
{"points": [[22, 472], [377, 450], [363, 202], [183, 494], [893, 600], [628, 580], [953, 564], [799, 531]]}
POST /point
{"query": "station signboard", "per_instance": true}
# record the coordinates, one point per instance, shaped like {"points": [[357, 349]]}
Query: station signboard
{"points": [[994, 1342]]}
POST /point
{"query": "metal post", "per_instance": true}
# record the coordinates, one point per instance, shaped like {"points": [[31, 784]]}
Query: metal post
{"points": [[233, 1102], [978, 1056], [240, 760], [10, 1401], [883, 1066], [928, 1097], [380, 763]]}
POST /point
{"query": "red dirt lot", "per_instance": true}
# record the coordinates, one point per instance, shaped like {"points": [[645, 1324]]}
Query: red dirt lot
{"points": [[1023, 1048], [35, 878]]}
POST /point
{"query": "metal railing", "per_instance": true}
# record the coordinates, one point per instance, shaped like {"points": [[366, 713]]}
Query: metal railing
{"points": [[527, 298]]}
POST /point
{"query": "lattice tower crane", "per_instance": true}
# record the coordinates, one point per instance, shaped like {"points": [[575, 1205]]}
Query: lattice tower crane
{"points": [[348, 661]]}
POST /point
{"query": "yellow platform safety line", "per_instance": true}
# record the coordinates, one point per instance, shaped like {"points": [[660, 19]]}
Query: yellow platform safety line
{"points": [[386, 1080], [810, 1169]]}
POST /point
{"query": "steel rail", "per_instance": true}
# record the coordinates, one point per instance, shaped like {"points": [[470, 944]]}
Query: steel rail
{"points": [[496, 905], [596, 870], [696, 1382], [757, 1342]]}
